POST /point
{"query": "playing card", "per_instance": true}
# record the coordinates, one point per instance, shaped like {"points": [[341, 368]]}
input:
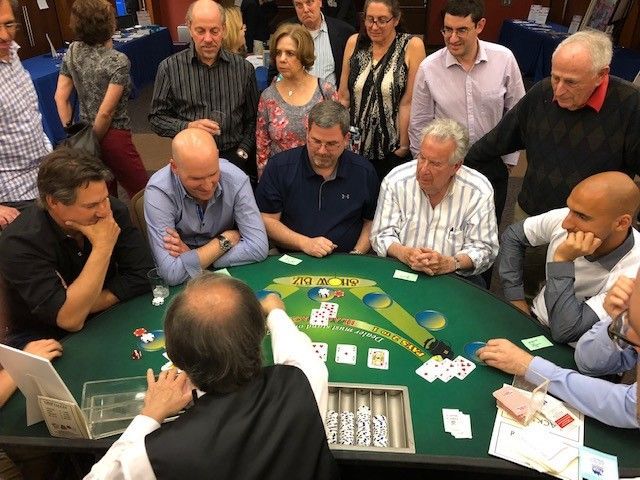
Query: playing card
{"points": [[447, 372], [429, 370], [378, 358], [346, 354], [331, 308], [462, 367], [321, 350], [319, 318]]}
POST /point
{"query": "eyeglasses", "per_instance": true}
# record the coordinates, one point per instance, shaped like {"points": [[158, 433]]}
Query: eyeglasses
{"points": [[617, 332], [460, 32], [328, 145], [381, 22], [10, 26]]}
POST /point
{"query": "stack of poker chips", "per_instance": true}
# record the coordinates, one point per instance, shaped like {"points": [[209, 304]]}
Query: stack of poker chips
{"points": [[332, 426], [363, 426], [346, 432], [380, 431]]}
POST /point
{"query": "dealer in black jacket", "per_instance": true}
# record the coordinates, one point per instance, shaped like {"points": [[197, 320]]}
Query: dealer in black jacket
{"points": [[325, 31]]}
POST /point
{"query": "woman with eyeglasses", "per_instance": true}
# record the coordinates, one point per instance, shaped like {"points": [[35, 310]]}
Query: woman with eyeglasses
{"points": [[285, 104], [100, 76], [376, 84], [234, 40]]}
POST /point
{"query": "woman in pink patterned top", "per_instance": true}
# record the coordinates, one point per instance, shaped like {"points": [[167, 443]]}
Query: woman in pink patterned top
{"points": [[284, 106]]}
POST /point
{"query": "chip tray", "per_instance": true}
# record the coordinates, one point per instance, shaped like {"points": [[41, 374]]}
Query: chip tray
{"points": [[392, 401]]}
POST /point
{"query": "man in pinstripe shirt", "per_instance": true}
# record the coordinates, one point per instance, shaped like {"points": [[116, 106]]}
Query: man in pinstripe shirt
{"points": [[434, 214], [209, 88]]}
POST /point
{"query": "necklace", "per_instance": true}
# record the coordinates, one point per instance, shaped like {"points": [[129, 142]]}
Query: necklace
{"points": [[292, 90]]}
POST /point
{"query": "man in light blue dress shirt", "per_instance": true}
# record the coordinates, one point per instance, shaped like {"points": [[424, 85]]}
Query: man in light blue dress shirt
{"points": [[201, 212], [605, 349]]}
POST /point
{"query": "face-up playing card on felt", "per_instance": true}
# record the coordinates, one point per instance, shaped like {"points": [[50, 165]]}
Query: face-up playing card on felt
{"points": [[346, 354], [378, 358], [448, 371], [319, 318], [429, 370], [463, 367], [332, 308], [321, 350]]}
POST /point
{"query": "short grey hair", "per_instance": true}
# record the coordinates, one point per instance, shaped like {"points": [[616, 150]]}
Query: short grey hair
{"points": [[329, 113], [189, 15], [15, 8], [444, 129], [597, 43]]}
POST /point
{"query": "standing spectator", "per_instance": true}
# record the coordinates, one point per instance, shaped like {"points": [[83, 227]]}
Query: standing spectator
{"points": [[284, 106], [207, 87], [378, 72], [22, 141], [100, 76], [471, 81], [234, 37], [258, 16]]}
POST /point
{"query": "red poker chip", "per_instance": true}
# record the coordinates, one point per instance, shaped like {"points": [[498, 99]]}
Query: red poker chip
{"points": [[138, 332]]}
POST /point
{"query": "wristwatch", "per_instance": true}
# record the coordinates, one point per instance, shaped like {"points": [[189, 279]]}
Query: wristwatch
{"points": [[242, 154], [225, 244]]}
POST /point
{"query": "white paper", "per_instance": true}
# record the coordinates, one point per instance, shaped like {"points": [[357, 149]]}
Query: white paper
{"points": [[42, 4], [223, 271], [64, 419], [506, 430], [402, 275], [290, 260], [34, 376]]}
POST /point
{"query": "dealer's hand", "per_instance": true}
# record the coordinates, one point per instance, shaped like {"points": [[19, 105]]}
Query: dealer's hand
{"points": [[576, 245], [504, 355], [271, 302], [47, 348], [174, 244], [207, 125], [7, 215], [617, 299], [318, 246], [167, 396]]}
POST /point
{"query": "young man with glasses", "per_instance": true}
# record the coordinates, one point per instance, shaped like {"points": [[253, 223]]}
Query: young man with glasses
{"points": [[610, 347], [320, 198], [22, 140], [469, 80]]}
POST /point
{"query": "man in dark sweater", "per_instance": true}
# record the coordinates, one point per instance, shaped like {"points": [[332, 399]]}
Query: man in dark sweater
{"points": [[247, 421], [579, 122]]}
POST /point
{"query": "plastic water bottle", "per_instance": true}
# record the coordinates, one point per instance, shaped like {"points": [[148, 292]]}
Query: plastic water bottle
{"points": [[354, 141]]}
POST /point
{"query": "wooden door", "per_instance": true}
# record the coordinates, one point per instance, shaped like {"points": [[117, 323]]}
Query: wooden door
{"points": [[35, 24]]}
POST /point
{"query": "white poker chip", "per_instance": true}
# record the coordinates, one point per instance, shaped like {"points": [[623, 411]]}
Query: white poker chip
{"points": [[157, 301], [324, 293]]}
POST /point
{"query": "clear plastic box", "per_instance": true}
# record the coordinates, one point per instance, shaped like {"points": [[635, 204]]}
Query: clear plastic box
{"points": [[536, 389]]}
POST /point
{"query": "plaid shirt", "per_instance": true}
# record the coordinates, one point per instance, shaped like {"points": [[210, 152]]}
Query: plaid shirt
{"points": [[22, 139]]}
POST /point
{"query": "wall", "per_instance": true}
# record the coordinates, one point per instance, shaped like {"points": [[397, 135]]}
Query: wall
{"points": [[170, 13]]}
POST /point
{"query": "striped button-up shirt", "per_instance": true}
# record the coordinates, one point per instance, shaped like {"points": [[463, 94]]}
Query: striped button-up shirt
{"points": [[186, 90], [463, 222], [324, 66], [22, 140], [477, 99]]}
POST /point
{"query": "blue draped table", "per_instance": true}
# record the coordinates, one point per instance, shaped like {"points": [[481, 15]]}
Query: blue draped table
{"points": [[533, 45], [145, 54]]}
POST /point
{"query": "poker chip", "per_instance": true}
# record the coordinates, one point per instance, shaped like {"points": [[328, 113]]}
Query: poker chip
{"points": [[138, 332], [147, 337], [157, 301], [380, 431], [346, 429], [136, 354], [363, 426], [331, 426]]}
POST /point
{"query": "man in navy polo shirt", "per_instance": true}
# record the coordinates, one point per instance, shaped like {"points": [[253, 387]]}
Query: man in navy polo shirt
{"points": [[319, 198]]}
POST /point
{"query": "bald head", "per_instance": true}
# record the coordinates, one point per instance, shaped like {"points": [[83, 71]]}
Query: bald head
{"points": [[615, 191], [214, 330], [196, 163], [201, 8]]}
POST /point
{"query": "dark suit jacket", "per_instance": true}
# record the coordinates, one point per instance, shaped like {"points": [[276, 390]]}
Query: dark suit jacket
{"points": [[339, 33]]}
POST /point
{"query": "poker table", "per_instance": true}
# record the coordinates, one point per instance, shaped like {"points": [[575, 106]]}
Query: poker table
{"points": [[376, 310]]}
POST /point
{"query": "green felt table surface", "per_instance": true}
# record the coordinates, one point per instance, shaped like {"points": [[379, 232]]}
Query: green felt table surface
{"points": [[102, 350]]}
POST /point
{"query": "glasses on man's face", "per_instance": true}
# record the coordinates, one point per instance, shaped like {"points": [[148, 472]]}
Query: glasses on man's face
{"points": [[617, 332], [10, 26], [460, 32], [380, 21]]}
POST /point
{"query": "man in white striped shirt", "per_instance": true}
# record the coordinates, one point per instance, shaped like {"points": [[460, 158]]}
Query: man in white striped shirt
{"points": [[434, 214]]}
